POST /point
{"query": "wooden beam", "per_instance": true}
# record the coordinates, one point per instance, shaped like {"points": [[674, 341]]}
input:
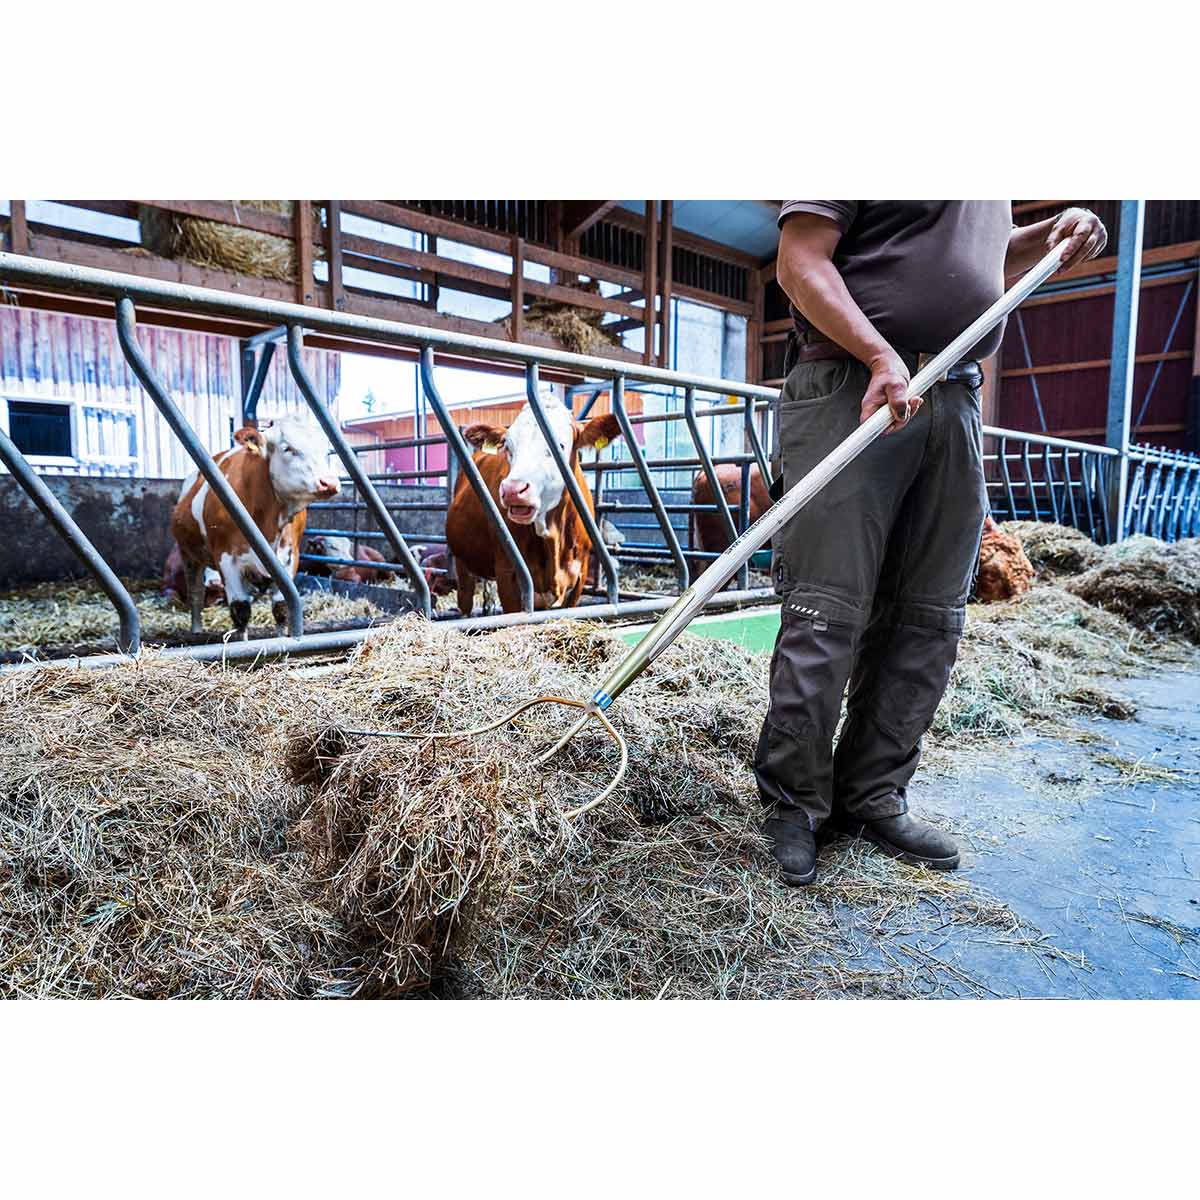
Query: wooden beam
{"points": [[226, 213], [668, 232], [333, 250], [1105, 290], [302, 234], [18, 227], [578, 216], [516, 326], [1091, 364], [754, 345], [1150, 258], [650, 284]]}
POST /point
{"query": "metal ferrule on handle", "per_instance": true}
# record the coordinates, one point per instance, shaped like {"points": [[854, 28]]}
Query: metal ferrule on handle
{"points": [[672, 623]]}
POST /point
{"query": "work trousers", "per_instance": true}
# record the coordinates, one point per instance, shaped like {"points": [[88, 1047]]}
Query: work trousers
{"points": [[874, 572]]}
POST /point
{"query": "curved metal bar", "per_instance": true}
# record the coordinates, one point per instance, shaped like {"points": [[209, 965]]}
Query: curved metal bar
{"points": [[129, 638], [1147, 513], [1070, 486], [756, 446], [639, 462], [582, 507], [1004, 474], [1134, 496], [1048, 471], [706, 464], [127, 336], [1189, 521], [466, 463], [1089, 475], [1168, 494], [354, 468], [1030, 491]]}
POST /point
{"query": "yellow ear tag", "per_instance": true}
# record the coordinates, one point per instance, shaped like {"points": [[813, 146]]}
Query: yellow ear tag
{"points": [[600, 443], [490, 447]]}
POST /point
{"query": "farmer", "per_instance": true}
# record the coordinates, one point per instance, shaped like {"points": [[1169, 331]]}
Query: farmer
{"points": [[875, 571]]}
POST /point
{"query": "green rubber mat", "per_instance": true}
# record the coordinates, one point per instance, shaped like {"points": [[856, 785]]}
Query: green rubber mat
{"points": [[755, 629]]}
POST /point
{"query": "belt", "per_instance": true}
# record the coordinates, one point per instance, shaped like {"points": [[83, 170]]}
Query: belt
{"points": [[968, 371]]}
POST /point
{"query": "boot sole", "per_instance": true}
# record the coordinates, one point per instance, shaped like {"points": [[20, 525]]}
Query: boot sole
{"points": [[793, 880], [904, 856]]}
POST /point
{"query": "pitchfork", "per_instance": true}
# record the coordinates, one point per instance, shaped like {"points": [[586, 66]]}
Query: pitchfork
{"points": [[673, 622]]}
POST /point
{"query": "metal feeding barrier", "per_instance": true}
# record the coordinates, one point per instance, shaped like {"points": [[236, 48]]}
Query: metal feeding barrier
{"points": [[1030, 476]]}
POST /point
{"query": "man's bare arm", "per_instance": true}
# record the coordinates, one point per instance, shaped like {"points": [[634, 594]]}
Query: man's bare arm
{"points": [[1083, 231], [806, 273]]}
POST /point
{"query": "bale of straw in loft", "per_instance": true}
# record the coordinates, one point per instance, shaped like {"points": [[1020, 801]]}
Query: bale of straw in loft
{"points": [[228, 247], [577, 329]]}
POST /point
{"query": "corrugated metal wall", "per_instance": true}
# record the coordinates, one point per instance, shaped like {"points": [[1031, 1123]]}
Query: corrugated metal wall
{"points": [[52, 356]]}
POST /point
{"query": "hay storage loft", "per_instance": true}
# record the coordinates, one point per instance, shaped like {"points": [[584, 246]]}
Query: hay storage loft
{"points": [[638, 284]]}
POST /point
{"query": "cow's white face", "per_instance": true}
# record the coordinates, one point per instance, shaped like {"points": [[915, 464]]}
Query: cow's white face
{"points": [[298, 455], [532, 487]]}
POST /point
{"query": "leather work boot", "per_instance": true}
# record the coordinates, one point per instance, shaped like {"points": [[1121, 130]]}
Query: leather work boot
{"points": [[794, 848], [906, 838]]}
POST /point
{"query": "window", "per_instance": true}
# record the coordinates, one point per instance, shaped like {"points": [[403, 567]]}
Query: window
{"points": [[42, 430]]}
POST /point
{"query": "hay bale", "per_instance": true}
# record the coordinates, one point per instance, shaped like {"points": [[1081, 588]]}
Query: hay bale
{"points": [[1054, 551], [215, 244], [1152, 584], [575, 328]]}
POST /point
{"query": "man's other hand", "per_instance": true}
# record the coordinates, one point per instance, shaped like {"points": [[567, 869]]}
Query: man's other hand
{"points": [[1083, 232], [888, 385]]}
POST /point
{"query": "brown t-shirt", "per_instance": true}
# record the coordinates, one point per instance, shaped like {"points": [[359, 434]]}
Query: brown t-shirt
{"points": [[921, 270]]}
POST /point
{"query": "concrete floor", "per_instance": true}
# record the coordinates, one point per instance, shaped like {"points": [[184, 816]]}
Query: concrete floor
{"points": [[1097, 855]]}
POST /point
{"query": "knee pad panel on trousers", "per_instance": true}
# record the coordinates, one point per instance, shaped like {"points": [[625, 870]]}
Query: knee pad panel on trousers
{"points": [[914, 673], [808, 674]]}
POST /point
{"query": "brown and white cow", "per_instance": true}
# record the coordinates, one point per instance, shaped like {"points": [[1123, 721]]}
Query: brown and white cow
{"points": [[175, 587], [276, 473], [707, 531], [523, 479]]}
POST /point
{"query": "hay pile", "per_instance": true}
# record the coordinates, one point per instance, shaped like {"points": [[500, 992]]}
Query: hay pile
{"points": [[1055, 550], [215, 244], [47, 617], [161, 835], [1153, 585], [144, 841]]}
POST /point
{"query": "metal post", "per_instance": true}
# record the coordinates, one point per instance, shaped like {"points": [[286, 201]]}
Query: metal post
{"points": [[639, 462], [127, 336], [365, 488], [466, 462], [257, 378], [584, 510], [129, 639], [1124, 351]]}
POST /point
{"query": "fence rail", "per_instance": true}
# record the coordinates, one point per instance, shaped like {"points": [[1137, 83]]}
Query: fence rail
{"points": [[1029, 476]]}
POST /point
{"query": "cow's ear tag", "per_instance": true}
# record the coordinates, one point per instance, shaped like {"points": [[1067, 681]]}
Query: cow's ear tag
{"points": [[490, 447], [600, 443]]}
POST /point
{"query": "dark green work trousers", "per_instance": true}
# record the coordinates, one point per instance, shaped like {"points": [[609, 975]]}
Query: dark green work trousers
{"points": [[875, 572]]}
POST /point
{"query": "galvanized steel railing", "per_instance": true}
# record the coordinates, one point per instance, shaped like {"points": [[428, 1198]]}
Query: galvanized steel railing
{"points": [[1029, 476]]}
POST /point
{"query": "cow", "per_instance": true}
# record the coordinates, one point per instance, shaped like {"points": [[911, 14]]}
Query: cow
{"points": [[175, 588], [525, 483], [1003, 572], [325, 546], [276, 473], [706, 531], [364, 574], [435, 563]]}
